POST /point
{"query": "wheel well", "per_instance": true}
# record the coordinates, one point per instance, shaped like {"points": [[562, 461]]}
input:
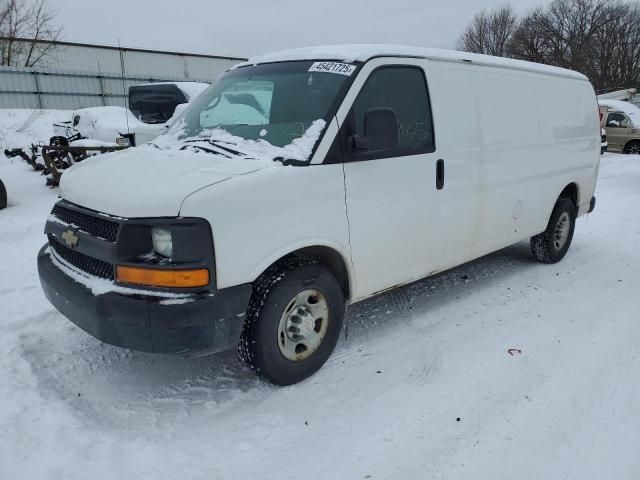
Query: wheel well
{"points": [[331, 259], [571, 192]]}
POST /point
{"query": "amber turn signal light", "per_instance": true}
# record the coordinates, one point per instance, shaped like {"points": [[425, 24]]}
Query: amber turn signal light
{"points": [[153, 277]]}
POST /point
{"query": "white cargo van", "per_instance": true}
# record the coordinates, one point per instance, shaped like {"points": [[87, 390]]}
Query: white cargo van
{"points": [[307, 180]]}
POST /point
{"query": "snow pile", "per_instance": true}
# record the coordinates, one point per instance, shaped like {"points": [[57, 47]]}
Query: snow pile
{"points": [[19, 128]]}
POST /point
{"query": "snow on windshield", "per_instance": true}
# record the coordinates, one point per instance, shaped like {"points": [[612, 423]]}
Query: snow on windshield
{"points": [[237, 147]]}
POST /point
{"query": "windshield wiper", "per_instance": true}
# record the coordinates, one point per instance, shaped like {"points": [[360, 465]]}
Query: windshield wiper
{"points": [[217, 143], [205, 149]]}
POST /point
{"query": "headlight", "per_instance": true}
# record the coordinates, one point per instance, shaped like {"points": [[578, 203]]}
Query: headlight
{"points": [[162, 241]]}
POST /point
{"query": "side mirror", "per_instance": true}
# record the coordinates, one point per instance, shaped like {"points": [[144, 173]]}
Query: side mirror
{"points": [[380, 131]]}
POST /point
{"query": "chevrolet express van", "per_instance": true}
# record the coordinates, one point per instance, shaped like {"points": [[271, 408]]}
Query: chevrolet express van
{"points": [[307, 180]]}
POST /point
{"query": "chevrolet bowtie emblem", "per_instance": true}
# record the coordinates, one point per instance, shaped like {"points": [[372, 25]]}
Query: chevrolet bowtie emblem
{"points": [[70, 238]]}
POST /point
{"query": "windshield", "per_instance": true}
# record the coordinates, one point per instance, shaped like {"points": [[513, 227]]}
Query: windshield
{"points": [[280, 109]]}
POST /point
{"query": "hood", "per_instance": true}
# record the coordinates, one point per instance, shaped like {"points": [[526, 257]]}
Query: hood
{"points": [[147, 181]]}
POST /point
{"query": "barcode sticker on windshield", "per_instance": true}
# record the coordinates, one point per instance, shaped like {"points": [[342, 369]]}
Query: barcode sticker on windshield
{"points": [[333, 67]]}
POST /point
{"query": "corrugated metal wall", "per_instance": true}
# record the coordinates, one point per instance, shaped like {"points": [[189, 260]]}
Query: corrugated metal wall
{"points": [[79, 76]]}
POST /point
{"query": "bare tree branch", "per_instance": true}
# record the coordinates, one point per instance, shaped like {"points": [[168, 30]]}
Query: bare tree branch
{"points": [[600, 38], [27, 30], [489, 32]]}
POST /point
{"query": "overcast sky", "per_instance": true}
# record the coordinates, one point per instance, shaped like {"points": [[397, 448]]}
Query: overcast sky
{"points": [[247, 27]]}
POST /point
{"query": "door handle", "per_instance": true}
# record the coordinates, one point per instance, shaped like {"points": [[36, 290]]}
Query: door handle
{"points": [[439, 174]]}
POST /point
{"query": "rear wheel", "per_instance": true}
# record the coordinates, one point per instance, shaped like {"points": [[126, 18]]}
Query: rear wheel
{"points": [[551, 245], [632, 148], [3, 196], [293, 321]]}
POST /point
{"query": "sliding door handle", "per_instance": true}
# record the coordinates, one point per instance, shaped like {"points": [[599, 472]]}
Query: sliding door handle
{"points": [[440, 174]]}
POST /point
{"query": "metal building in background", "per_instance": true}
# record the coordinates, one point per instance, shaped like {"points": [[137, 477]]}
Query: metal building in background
{"points": [[76, 75]]}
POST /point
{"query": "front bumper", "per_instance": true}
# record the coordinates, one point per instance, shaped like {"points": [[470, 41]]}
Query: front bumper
{"points": [[208, 323]]}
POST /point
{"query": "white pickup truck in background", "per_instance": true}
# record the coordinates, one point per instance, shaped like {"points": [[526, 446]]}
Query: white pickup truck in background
{"points": [[152, 108]]}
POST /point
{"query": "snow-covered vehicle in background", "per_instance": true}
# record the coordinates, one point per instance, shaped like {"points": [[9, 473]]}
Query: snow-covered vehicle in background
{"points": [[152, 107], [90, 131]]}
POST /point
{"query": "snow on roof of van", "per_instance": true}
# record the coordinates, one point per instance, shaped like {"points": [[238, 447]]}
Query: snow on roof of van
{"points": [[364, 52]]}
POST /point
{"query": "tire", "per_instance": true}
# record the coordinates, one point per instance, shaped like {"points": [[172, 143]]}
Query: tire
{"points": [[632, 148], [294, 293], [3, 196], [551, 245]]}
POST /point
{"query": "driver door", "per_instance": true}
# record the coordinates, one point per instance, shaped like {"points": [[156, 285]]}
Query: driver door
{"points": [[393, 202]]}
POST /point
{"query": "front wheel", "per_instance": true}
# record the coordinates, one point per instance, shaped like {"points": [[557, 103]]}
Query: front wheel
{"points": [[551, 245], [293, 321]]}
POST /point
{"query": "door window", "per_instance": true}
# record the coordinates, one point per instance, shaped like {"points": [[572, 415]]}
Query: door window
{"points": [[617, 120], [404, 91]]}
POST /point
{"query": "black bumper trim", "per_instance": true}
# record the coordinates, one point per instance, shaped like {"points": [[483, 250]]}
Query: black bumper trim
{"points": [[592, 205], [208, 323]]}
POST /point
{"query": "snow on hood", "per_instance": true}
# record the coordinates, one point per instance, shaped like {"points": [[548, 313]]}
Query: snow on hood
{"points": [[146, 181], [153, 180]]}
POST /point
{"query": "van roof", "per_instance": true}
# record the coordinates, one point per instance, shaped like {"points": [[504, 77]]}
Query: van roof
{"points": [[364, 52]]}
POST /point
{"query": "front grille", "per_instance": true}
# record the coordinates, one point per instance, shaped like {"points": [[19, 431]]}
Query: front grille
{"points": [[87, 264], [95, 226]]}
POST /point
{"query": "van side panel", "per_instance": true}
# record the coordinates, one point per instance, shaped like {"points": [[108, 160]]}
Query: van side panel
{"points": [[512, 141], [571, 125], [539, 133]]}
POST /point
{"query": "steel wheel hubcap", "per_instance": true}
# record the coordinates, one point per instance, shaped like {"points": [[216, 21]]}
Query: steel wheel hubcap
{"points": [[634, 149], [303, 325], [562, 231]]}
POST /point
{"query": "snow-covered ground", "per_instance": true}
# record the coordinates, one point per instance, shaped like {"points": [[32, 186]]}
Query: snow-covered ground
{"points": [[423, 387], [20, 128]]}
